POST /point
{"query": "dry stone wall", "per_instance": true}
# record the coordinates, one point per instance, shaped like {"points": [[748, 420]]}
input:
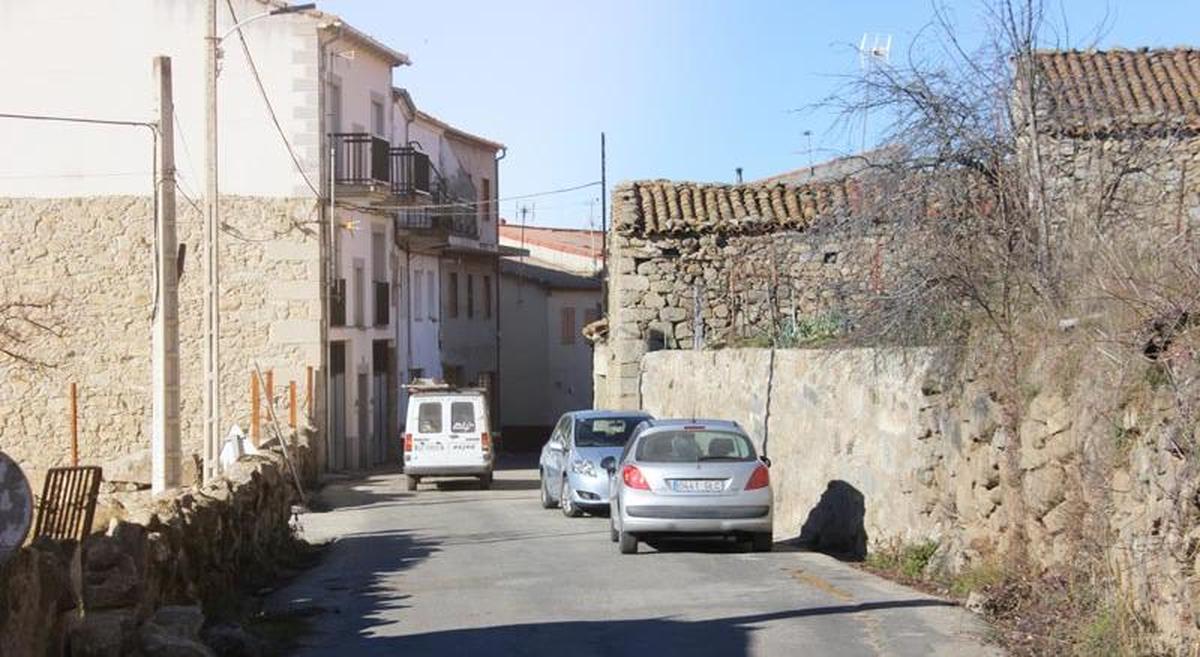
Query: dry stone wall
{"points": [[90, 261], [158, 567]]}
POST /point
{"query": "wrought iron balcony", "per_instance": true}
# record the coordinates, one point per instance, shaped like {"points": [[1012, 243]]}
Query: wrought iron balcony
{"points": [[361, 159], [411, 172]]}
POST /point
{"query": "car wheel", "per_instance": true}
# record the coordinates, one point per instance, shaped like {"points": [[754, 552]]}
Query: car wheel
{"points": [[547, 501], [485, 481], [613, 534], [410, 482], [564, 501], [762, 541], [627, 543]]}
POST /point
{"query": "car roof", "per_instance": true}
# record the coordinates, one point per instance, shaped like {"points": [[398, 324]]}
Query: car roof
{"points": [[711, 423], [593, 414]]}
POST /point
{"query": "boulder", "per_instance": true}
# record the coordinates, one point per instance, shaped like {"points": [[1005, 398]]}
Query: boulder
{"points": [[110, 633]]}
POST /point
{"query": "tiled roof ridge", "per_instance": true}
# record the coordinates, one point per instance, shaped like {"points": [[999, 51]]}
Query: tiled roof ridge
{"points": [[1099, 92], [665, 207]]}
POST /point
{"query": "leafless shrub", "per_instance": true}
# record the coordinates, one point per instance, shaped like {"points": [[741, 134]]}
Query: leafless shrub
{"points": [[20, 321]]}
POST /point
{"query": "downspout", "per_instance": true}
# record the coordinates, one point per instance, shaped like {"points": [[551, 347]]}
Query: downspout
{"points": [[496, 282]]}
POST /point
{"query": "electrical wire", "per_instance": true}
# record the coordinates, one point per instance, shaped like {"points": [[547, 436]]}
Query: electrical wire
{"points": [[270, 109], [466, 204]]}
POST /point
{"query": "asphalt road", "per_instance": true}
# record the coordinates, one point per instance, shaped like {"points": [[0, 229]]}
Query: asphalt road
{"points": [[454, 570]]}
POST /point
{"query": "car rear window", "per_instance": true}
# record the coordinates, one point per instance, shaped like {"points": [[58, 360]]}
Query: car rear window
{"points": [[462, 417], [694, 446], [429, 417], [604, 431]]}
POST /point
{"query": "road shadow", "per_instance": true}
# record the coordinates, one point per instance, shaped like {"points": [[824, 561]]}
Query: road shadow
{"points": [[835, 525], [660, 637], [373, 489], [350, 589]]}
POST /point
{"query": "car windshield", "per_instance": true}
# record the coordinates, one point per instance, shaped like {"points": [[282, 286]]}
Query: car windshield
{"points": [[605, 431], [692, 446]]}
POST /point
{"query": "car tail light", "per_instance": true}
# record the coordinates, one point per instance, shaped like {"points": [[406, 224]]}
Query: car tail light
{"points": [[633, 478], [760, 479], [408, 442], [485, 440]]}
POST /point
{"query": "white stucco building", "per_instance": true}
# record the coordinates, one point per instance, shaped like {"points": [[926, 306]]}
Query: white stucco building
{"points": [[546, 298]]}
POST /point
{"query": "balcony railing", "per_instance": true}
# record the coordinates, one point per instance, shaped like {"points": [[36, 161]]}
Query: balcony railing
{"points": [[383, 303], [361, 159], [411, 171]]}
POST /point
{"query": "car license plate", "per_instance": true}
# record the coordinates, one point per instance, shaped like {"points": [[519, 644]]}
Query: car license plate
{"points": [[697, 485]]}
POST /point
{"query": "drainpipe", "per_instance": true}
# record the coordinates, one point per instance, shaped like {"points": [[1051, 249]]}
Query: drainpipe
{"points": [[496, 296]]}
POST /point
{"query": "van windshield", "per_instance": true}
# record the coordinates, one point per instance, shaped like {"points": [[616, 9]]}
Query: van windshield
{"points": [[694, 446], [429, 417], [604, 432]]}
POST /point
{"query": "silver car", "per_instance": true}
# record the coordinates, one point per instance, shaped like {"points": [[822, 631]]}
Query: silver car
{"points": [[571, 476], [690, 477]]}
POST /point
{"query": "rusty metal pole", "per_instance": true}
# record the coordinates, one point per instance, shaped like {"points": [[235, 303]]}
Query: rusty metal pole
{"points": [[292, 404], [271, 387], [74, 425], [254, 409]]}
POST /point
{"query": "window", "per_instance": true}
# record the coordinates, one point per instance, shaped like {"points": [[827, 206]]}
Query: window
{"points": [[462, 417], [429, 417], [452, 295], [431, 304], [416, 288], [470, 296], [377, 117], [694, 446], [590, 315], [360, 301], [487, 296], [485, 199], [605, 432], [567, 315]]}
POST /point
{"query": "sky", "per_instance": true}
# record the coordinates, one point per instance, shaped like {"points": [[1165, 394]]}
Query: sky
{"points": [[683, 89]]}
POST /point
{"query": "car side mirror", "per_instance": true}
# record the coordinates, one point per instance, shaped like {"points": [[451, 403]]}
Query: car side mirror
{"points": [[609, 464], [765, 460]]}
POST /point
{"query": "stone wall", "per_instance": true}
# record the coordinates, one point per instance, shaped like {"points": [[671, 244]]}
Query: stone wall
{"points": [[759, 264], [91, 261], [149, 579], [875, 447]]}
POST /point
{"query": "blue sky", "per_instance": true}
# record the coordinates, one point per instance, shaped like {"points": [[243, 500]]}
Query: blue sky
{"points": [[684, 89]]}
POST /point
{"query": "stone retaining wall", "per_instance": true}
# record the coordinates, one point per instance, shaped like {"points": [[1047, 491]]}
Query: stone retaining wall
{"points": [[156, 562]]}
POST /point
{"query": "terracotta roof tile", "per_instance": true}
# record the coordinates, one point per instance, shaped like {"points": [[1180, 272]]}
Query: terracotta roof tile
{"points": [[662, 207], [1097, 92]]}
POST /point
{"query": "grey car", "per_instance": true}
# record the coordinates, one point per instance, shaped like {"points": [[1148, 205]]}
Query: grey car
{"points": [[571, 476], [690, 477]]}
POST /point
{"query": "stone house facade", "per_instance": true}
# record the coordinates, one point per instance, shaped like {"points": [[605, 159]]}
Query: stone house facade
{"points": [[700, 266], [77, 220]]}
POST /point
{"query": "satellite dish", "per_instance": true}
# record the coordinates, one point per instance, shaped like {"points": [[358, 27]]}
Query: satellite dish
{"points": [[16, 507]]}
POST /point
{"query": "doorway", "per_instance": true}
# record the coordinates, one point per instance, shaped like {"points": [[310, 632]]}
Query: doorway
{"points": [[336, 444]]}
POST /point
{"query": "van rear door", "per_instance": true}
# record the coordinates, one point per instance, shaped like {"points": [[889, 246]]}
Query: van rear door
{"points": [[468, 429], [430, 442]]}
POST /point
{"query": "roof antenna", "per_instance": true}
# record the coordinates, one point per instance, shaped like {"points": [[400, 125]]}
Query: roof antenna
{"points": [[738, 171], [874, 51]]}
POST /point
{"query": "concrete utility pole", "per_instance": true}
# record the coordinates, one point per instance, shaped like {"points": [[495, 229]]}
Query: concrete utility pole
{"points": [[165, 451], [212, 272]]}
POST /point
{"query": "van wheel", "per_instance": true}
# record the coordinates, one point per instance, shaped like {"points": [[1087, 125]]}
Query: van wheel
{"points": [[564, 500], [547, 502], [410, 482], [627, 543], [485, 481], [762, 541]]}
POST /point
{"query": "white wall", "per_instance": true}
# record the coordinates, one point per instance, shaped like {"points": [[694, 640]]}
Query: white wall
{"points": [[569, 366], [93, 59], [523, 354]]}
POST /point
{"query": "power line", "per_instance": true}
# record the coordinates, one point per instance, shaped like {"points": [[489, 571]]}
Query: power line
{"points": [[466, 204], [270, 109]]}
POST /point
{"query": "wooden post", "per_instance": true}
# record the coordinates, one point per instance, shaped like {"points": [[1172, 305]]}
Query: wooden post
{"points": [[271, 388], [254, 409], [308, 393], [74, 425], [292, 404]]}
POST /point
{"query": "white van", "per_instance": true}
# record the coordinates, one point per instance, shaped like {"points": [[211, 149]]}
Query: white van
{"points": [[447, 434]]}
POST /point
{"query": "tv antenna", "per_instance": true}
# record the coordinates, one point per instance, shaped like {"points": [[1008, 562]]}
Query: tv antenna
{"points": [[874, 50]]}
